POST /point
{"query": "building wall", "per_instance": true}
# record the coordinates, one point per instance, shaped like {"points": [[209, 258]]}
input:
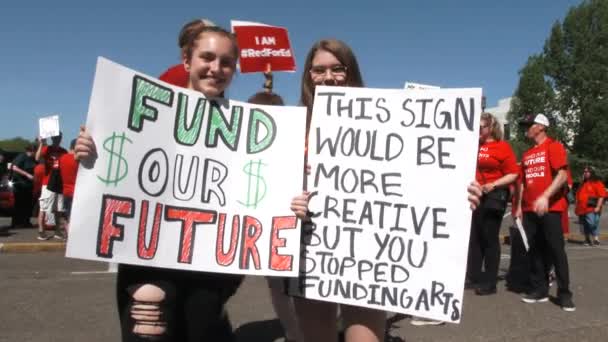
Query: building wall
{"points": [[500, 112]]}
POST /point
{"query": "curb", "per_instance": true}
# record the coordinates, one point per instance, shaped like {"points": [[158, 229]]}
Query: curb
{"points": [[30, 247]]}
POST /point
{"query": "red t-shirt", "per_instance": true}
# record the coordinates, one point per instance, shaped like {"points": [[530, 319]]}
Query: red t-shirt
{"points": [[586, 190], [494, 160], [51, 155], [538, 167], [68, 166], [176, 75]]}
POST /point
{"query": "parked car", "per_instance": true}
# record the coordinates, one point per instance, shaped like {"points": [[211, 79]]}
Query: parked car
{"points": [[7, 197]]}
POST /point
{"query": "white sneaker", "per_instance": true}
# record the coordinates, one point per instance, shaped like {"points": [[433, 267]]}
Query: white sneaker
{"points": [[419, 321]]}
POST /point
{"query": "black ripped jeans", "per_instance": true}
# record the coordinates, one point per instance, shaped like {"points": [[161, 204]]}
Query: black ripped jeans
{"points": [[193, 308]]}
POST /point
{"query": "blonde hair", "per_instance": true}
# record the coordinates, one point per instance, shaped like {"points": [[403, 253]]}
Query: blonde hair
{"points": [[495, 129]]}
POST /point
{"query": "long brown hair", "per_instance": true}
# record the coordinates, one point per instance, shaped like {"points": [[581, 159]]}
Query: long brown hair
{"points": [[592, 174], [344, 54]]}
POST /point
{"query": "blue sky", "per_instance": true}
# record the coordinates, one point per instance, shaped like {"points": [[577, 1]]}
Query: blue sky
{"points": [[49, 48]]}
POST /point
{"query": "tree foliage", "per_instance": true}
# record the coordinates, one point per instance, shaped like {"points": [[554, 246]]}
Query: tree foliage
{"points": [[568, 81], [17, 144]]}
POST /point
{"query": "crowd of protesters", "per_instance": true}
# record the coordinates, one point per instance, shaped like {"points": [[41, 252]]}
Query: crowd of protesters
{"points": [[540, 185], [175, 305], [43, 178]]}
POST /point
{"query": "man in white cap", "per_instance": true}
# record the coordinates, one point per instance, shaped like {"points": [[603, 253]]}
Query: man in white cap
{"points": [[541, 200]]}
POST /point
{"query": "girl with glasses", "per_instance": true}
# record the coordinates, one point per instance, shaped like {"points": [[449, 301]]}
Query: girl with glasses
{"points": [[331, 62]]}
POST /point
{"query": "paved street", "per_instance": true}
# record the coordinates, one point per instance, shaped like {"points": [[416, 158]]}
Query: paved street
{"points": [[46, 297]]}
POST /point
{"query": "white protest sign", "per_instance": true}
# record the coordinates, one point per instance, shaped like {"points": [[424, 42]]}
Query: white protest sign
{"points": [[48, 126], [187, 182], [390, 170]]}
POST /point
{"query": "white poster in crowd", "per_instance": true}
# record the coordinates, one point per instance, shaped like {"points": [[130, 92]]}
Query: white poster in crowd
{"points": [[390, 170], [48, 126], [419, 86], [187, 182]]}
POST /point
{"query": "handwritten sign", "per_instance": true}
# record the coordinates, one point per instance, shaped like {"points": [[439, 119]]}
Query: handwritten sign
{"points": [[263, 45], [187, 182], [390, 169], [49, 126]]}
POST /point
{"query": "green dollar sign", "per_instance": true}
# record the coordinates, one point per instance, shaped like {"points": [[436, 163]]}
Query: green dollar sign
{"points": [[117, 165], [256, 185]]}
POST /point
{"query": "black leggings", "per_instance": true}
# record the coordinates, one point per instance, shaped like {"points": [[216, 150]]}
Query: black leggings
{"points": [[484, 247], [193, 307]]}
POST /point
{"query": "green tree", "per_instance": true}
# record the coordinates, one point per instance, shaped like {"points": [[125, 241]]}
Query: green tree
{"points": [[576, 64], [534, 94], [17, 144], [569, 82]]}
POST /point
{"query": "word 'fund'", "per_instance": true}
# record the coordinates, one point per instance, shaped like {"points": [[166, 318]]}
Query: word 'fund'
{"points": [[243, 236], [187, 132], [414, 113]]}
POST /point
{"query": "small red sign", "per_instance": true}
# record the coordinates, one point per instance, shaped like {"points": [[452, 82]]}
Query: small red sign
{"points": [[263, 46]]}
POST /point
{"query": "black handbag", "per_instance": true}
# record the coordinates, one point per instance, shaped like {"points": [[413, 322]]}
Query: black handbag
{"points": [[496, 199], [592, 202]]}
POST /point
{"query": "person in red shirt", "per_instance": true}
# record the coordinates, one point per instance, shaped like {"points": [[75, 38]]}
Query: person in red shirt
{"points": [[68, 167], [541, 202], [39, 172], [51, 199], [496, 170], [589, 201]]}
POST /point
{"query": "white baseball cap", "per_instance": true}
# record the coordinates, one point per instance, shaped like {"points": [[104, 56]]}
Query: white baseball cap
{"points": [[532, 119]]}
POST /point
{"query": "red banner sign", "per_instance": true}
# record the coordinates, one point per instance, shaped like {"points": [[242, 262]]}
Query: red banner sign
{"points": [[263, 46]]}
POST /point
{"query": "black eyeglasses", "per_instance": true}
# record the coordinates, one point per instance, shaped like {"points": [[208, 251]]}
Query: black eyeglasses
{"points": [[338, 70]]}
